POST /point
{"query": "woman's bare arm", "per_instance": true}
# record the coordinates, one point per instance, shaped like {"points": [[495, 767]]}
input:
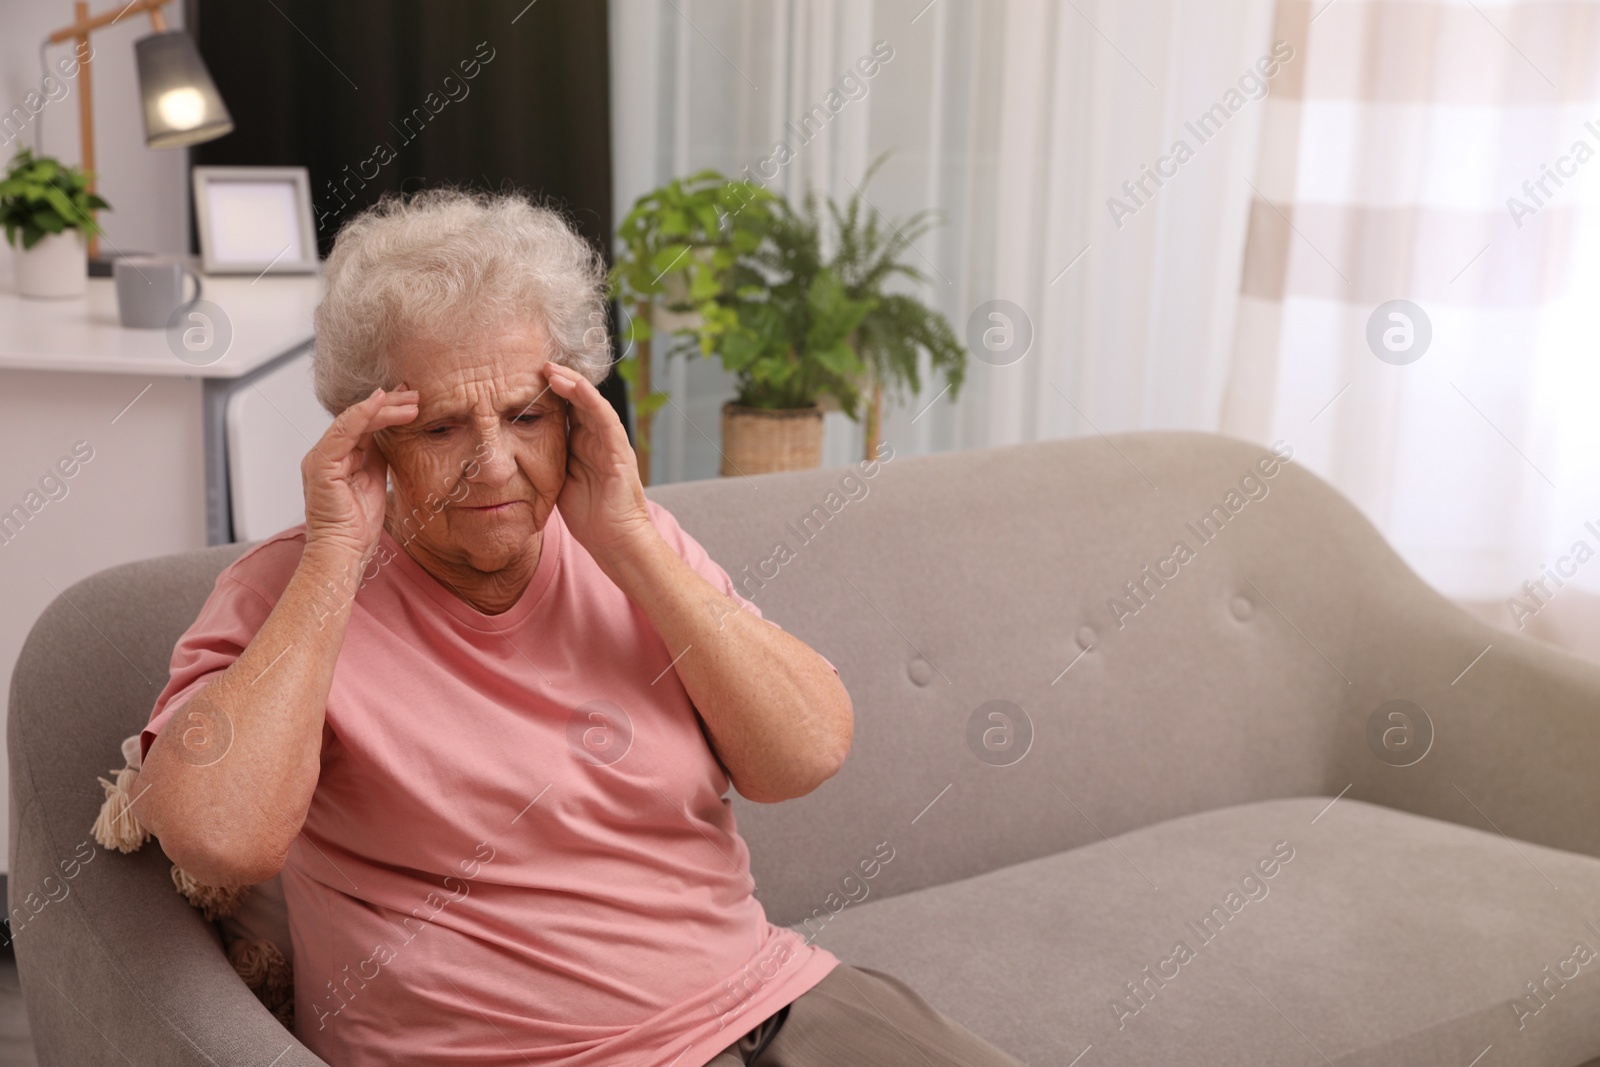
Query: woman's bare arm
{"points": [[227, 783], [779, 718]]}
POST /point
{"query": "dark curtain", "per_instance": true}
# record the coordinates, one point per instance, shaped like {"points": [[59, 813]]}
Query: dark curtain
{"points": [[374, 96]]}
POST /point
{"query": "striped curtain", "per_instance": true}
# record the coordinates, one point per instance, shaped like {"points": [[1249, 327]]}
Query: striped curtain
{"points": [[1418, 310]]}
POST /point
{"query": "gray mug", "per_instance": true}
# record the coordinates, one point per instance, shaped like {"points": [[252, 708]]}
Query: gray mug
{"points": [[150, 289]]}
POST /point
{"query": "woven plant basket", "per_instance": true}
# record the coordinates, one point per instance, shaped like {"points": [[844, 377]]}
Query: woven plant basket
{"points": [[759, 440]]}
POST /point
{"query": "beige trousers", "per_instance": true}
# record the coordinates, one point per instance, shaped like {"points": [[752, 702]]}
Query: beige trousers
{"points": [[859, 1016]]}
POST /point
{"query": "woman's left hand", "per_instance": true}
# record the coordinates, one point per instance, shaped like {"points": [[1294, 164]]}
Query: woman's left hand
{"points": [[602, 501]]}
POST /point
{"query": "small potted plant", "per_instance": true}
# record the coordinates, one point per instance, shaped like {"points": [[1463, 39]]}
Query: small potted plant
{"points": [[45, 207], [789, 347], [679, 243]]}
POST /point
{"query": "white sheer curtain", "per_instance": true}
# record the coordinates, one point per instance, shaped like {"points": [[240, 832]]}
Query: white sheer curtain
{"points": [[1439, 151], [1019, 120], [1380, 166]]}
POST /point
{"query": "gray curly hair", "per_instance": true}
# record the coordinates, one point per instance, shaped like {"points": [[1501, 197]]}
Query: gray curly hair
{"points": [[453, 263]]}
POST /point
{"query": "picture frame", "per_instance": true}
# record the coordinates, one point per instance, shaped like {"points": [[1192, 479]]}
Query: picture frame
{"points": [[255, 220]]}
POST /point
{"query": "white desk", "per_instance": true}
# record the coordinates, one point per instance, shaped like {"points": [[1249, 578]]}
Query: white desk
{"points": [[160, 431], [270, 319]]}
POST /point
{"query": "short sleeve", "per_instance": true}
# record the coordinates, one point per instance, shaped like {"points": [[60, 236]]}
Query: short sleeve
{"points": [[230, 618], [695, 555]]}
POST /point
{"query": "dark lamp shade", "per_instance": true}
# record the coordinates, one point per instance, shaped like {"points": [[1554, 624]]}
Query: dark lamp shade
{"points": [[181, 102]]}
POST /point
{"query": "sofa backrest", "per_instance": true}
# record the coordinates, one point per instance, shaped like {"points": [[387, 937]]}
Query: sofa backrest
{"points": [[1154, 682], [940, 585]]}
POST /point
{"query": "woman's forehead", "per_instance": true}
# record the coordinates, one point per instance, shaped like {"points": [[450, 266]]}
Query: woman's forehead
{"points": [[493, 400], [510, 358], [483, 391]]}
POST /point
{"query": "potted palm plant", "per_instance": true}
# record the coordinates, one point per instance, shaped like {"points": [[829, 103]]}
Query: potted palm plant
{"points": [[45, 207], [788, 347], [810, 329]]}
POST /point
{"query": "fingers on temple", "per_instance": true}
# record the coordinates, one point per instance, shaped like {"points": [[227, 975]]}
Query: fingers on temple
{"points": [[377, 411], [578, 390]]}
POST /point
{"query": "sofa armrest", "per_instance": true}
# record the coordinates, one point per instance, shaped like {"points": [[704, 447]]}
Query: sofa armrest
{"points": [[116, 970], [1515, 723]]}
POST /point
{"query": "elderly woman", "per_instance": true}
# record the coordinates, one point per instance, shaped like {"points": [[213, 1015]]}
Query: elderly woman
{"points": [[482, 708]]}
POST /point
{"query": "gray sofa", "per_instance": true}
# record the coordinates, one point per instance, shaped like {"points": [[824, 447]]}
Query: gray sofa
{"points": [[1218, 845]]}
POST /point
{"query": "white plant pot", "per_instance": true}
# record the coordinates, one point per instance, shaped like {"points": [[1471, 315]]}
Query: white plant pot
{"points": [[56, 267]]}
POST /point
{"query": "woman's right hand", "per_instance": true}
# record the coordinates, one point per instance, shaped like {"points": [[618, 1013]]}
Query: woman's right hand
{"points": [[346, 477]]}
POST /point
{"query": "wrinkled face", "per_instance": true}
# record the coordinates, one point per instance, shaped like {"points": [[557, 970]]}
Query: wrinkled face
{"points": [[476, 474]]}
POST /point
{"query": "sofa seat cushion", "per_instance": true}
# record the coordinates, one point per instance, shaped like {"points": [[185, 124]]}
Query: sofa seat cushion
{"points": [[1379, 937]]}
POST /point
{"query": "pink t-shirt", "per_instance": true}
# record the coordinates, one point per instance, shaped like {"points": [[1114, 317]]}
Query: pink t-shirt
{"points": [[518, 851]]}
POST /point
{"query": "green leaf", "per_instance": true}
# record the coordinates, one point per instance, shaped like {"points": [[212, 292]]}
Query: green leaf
{"points": [[674, 223], [710, 219], [670, 258], [703, 285], [839, 359], [58, 200]]}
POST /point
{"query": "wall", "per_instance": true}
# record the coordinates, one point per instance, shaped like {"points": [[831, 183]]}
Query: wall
{"points": [[147, 190]]}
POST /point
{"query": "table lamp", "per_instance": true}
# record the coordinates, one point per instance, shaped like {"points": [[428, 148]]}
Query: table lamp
{"points": [[181, 103]]}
